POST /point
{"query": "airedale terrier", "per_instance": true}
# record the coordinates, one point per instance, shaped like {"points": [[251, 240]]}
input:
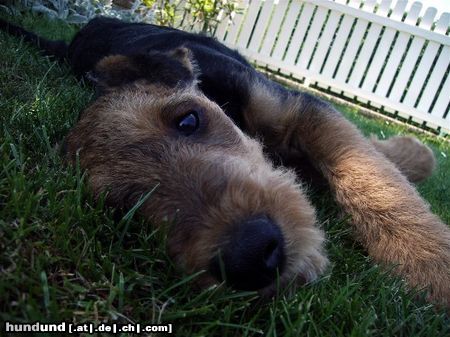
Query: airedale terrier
{"points": [[183, 111]]}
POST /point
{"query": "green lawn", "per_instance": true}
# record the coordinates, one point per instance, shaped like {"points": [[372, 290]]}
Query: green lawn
{"points": [[65, 257]]}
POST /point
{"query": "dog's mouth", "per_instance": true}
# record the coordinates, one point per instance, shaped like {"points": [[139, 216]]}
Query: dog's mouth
{"points": [[267, 286]]}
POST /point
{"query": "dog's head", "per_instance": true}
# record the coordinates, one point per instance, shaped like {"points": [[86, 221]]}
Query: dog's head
{"points": [[230, 211]]}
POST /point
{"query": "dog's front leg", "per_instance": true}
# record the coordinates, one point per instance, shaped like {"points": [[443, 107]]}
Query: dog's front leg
{"points": [[389, 217]]}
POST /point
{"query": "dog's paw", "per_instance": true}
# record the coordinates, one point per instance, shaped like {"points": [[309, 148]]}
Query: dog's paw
{"points": [[436, 276], [413, 158]]}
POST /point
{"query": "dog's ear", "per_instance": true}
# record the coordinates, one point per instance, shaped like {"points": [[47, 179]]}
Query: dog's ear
{"points": [[113, 70], [170, 69], [185, 56]]}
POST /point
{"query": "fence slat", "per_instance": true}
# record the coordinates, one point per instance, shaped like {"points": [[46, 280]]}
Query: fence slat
{"points": [[222, 27], [368, 47], [354, 43], [411, 58], [299, 33], [274, 26], [421, 74], [261, 26], [248, 24], [338, 45], [397, 52], [233, 31], [383, 48], [312, 37], [424, 67], [325, 41], [435, 80], [286, 30], [441, 106]]}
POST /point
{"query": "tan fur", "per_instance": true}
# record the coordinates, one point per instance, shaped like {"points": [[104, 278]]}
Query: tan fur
{"points": [[389, 217], [414, 159], [113, 62]]}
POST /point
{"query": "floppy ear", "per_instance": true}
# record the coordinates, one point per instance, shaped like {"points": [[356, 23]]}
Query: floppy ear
{"points": [[185, 56], [113, 70], [170, 69]]}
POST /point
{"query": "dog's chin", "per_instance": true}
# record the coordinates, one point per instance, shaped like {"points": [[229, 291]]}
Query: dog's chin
{"points": [[285, 285], [296, 274]]}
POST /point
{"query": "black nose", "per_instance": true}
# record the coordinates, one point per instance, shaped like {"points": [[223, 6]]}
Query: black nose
{"points": [[253, 256]]}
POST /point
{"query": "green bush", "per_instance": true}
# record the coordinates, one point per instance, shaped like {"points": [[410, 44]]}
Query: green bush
{"points": [[203, 13], [196, 12]]}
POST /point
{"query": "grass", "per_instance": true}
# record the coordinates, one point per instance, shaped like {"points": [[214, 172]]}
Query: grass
{"points": [[64, 257]]}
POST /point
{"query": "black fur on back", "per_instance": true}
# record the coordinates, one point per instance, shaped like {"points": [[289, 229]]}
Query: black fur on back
{"points": [[221, 69]]}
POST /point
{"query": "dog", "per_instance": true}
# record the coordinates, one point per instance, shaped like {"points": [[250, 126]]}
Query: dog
{"points": [[185, 113]]}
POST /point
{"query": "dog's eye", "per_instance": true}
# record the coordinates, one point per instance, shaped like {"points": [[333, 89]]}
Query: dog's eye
{"points": [[188, 123]]}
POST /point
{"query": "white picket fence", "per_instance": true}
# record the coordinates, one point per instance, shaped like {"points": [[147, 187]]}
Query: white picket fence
{"points": [[371, 51]]}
